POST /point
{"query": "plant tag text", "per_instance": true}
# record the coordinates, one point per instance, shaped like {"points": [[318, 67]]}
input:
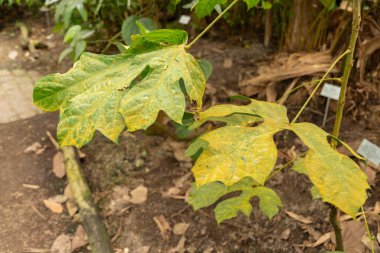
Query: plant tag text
{"points": [[370, 151], [184, 19], [330, 91]]}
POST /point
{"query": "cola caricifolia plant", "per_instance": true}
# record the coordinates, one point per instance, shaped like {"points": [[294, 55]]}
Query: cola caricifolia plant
{"points": [[114, 93]]}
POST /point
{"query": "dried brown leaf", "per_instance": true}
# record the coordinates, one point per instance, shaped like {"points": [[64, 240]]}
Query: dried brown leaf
{"points": [[53, 206], [163, 225], [227, 64], [31, 186], [352, 233], [139, 195], [300, 218], [285, 234], [143, 249], [72, 208], [59, 165], [80, 239], [62, 244], [36, 148], [180, 228]]}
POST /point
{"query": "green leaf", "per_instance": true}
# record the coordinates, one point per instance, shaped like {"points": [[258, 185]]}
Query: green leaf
{"points": [[65, 53], [133, 25], [208, 194], [206, 67], [299, 166], [205, 7], [71, 33], [338, 179], [172, 6], [315, 193], [251, 3], [266, 5], [109, 93], [80, 46]]}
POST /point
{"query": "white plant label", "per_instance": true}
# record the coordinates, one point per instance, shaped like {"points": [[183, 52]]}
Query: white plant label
{"points": [[184, 19], [330, 91], [370, 151]]}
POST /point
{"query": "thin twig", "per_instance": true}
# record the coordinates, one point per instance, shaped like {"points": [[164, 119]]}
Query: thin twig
{"points": [[318, 85]]}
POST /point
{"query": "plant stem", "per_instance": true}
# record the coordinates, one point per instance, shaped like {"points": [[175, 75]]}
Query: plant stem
{"points": [[337, 230], [211, 24], [339, 113], [319, 84], [347, 68], [368, 231]]}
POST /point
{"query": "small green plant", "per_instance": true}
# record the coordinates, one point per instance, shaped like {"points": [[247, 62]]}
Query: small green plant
{"points": [[156, 73]]}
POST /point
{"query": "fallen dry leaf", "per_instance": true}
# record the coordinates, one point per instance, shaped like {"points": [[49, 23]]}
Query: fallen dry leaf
{"points": [[311, 231], [177, 189], [53, 206], [143, 249], [81, 154], [227, 64], [180, 248], [58, 199], [59, 165], [209, 249], [180, 228], [36, 148], [62, 244], [72, 208], [352, 233], [303, 219], [285, 234], [31, 186], [139, 195], [178, 148], [80, 239], [324, 238], [163, 225]]}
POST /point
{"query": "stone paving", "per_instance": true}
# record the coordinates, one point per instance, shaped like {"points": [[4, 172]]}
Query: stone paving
{"points": [[16, 95]]}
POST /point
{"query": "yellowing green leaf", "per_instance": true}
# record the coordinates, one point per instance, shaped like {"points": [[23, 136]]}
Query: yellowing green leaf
{"points": [[299, 166], [109, 93], [208, 194], [244, 115], [235, 152], [337, 178]]}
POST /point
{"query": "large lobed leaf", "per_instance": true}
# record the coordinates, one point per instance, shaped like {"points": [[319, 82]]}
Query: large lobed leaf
{"points": [[109, 93], [338, 179], [208, 194], [236, 151]]}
